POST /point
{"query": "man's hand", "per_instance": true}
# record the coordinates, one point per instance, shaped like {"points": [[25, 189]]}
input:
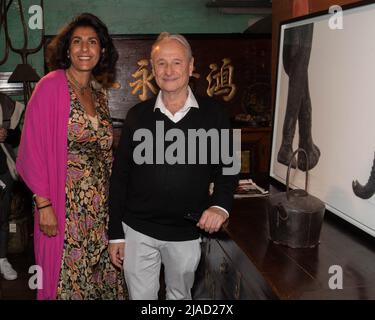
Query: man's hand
{"points": [[3, 134], [212, 219], [48, 221], [116, 253]]}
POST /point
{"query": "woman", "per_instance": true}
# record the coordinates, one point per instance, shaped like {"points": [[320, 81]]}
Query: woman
{"points": [[65, 158]]}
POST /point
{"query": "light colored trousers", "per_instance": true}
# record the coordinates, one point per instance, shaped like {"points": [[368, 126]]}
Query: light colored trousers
{"points": [[143, 258]]}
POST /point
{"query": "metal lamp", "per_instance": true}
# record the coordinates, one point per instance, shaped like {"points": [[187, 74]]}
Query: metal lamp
{"points": [[24, 73]]}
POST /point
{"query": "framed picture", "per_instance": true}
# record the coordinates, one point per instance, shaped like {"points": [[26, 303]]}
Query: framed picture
{"points": [[325, 104]]}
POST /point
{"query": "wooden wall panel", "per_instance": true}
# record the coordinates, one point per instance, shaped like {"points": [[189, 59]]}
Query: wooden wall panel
{"points": [[244, 89]]}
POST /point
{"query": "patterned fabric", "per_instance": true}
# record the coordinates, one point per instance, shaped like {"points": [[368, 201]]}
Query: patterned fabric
{"points": [[86, 271]]}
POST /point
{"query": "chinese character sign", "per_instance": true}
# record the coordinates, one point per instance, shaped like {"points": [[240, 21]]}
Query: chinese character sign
{"points": [[143, 82], [226, 69], [220, 82]]}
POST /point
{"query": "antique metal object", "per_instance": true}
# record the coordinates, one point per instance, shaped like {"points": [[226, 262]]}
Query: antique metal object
{"points": [[24, 72], [295, 217]]}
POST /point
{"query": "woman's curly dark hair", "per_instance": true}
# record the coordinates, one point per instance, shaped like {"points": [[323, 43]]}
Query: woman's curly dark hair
{"points": [[57, 50]]}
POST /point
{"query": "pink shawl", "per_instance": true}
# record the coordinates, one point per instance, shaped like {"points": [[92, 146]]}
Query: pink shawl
{"points": [[42, 164]]}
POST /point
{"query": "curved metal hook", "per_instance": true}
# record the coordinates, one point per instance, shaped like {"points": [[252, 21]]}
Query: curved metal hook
{"points": [[24, 51], [290, 165]]}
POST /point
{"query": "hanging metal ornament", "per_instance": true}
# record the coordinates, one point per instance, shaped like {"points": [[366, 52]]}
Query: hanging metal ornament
{"points": [[24, 72]]}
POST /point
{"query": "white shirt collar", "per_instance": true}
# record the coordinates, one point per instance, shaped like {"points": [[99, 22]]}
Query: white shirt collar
{"points": [[190, 102]]}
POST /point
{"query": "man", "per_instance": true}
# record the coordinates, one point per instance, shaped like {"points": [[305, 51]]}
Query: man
{"points": [[10, 113], [148, 201]]}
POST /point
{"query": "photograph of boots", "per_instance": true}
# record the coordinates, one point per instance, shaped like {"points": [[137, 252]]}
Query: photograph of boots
{"points": [[368, 190], [296, 57]]}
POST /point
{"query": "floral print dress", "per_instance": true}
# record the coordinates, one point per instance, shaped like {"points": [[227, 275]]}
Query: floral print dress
{"points": [[86, 270]]}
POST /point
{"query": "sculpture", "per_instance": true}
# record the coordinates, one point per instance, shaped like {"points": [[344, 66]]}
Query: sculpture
{"points": [[296, 56]]}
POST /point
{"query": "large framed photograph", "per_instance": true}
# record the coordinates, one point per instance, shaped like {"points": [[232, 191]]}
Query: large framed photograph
{"points": [[325, 104]]}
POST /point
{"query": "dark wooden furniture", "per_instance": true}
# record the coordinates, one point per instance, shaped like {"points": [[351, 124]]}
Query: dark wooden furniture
{"points": [[241, 263], [255, 147]]}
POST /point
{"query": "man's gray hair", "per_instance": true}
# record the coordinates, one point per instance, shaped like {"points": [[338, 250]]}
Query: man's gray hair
{"points": [[180, 38]]}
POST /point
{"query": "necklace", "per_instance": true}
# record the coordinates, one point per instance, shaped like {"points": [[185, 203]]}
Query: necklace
{"points": [[76, 84]]}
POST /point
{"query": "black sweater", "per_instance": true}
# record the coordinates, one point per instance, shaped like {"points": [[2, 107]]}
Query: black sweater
{"points": [[153, 198]]}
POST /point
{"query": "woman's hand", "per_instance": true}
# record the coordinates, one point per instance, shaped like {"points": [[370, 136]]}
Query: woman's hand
{"points": [[47, 216], [116, 253], [48, 221]]}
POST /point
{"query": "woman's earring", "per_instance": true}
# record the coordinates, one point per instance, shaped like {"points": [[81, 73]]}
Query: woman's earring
{"points": [[102, 54], [67, 54]]}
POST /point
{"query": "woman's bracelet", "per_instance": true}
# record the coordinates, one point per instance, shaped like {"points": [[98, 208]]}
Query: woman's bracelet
{"points": [[41, 203], [46, 206]]}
